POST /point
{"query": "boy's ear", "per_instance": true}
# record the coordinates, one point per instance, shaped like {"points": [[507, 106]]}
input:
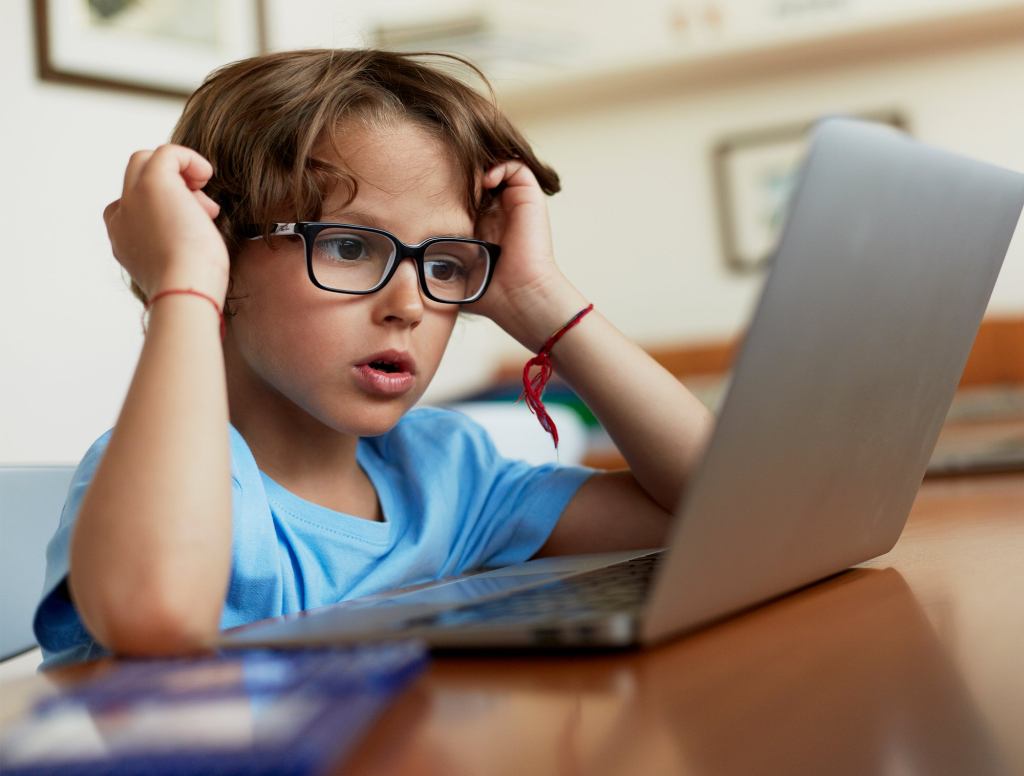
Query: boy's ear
{"points": [[489, 222], [488, 203]]}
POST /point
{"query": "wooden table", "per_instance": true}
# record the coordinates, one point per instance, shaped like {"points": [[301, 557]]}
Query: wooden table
{"points": [[911, 664]]}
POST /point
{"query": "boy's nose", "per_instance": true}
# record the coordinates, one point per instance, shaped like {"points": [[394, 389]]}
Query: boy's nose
{"points": [[401, 300]]}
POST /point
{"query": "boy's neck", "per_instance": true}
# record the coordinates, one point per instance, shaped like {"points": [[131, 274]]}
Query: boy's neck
{"points": [[295, 449], [327, 475]]}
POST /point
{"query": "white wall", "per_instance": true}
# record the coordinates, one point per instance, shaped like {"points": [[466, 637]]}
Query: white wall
{"points": [[69, 329], [647, 162]]}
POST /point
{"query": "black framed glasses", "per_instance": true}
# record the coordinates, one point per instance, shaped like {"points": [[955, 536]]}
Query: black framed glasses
{"points": [[352, 259]]}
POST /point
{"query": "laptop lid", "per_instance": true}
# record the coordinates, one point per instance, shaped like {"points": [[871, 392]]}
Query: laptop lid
{"points": [[865, 322]]}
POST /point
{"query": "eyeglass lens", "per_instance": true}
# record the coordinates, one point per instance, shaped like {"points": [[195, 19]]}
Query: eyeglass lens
{"points": [[356, 260]]}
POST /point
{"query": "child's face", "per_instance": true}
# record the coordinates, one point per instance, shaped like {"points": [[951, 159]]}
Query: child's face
{"points": [[301, 353]]}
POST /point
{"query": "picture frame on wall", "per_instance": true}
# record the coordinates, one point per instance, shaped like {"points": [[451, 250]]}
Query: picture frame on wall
{"points": [[754, 174], [159, 47]]}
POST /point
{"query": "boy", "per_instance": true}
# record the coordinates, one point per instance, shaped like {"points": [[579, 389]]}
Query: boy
{"points": [[266, 460]]}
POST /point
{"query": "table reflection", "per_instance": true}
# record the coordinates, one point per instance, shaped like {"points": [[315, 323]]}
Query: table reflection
{"points": [[846, 676]]}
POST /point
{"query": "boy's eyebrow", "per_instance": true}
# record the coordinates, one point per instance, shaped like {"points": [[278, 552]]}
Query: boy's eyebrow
{"points": [[365, 219]]}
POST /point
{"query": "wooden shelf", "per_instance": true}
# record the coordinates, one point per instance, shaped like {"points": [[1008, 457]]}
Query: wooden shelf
{"points": [[996, 359], [674, 71]]}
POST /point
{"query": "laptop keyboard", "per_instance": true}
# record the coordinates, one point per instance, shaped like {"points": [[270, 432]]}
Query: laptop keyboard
{"points": [[619, 588]]}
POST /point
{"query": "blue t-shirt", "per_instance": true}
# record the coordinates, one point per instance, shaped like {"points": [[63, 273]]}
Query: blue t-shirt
{"points": [[450, 502]]}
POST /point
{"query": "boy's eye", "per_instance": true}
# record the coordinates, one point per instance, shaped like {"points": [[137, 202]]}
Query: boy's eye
{"points": [[444, 269], [348, 248]]}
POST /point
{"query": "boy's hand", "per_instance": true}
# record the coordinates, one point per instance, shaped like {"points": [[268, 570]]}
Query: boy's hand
{"points": [[161, 229], [529, 297]]}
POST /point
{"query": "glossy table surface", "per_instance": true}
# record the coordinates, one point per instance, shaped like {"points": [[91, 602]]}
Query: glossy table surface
{"points": [[910, 664]]}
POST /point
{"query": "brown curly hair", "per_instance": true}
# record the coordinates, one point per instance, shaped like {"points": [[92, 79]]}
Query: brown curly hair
{"points": [[259, 120]]}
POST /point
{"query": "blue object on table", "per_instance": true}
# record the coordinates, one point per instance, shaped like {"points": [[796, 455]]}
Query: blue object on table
{"points": [[252, 712]]}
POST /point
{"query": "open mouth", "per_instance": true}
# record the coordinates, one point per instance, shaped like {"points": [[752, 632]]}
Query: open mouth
{"points": [[390, 362], [385, 366], [389, 373]]}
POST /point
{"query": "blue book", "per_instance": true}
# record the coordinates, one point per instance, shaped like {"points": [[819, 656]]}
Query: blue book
{"points": [[240, 712]]}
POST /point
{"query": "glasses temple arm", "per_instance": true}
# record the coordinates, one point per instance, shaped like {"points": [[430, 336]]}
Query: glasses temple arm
{"points": [[278, 229]]}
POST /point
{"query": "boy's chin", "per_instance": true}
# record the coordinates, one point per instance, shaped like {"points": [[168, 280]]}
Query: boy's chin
{"points": [[374, 420]]}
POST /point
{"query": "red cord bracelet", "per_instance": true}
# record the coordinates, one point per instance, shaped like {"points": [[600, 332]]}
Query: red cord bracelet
{"points": [[533, 387], [193, 292]]}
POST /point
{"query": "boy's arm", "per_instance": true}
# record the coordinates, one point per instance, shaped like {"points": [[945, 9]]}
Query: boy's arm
{"points": [[151, 547], [658, 425]]}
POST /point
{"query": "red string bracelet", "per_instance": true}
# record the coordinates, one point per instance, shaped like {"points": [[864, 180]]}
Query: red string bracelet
{"points": [[533, 387], [193, 292]]}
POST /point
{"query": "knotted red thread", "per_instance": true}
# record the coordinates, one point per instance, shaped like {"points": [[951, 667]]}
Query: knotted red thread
{"points": [[533, 387], [193, 292]]}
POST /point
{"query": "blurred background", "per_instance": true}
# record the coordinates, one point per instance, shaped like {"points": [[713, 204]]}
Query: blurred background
{"points": [[675, 126]]}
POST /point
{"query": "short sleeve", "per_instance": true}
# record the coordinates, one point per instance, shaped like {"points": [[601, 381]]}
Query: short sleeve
{"points": [[56, 625], [254, 588], [513, 505]]}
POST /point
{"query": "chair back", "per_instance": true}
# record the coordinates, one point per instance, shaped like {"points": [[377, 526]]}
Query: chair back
{"points": [[31, 500]]}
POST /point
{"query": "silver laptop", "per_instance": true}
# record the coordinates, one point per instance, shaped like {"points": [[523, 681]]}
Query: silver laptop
{"points": [[879, 283]]}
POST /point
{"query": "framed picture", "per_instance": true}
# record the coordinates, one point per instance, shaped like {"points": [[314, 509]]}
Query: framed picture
{"points": [[163, 47], [754, 174]]}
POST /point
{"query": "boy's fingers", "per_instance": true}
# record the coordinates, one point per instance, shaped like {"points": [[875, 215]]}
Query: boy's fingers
{"points": [[513, 172], [109, 210], [169, 160], [212, 208], [518, 174], [131, 173], [494, 175], [197, 183], [193, 167]]}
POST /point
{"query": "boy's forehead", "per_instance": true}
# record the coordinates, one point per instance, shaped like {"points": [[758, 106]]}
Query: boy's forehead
{"points": [[403, 173], [427, 224], [394, 158]]}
